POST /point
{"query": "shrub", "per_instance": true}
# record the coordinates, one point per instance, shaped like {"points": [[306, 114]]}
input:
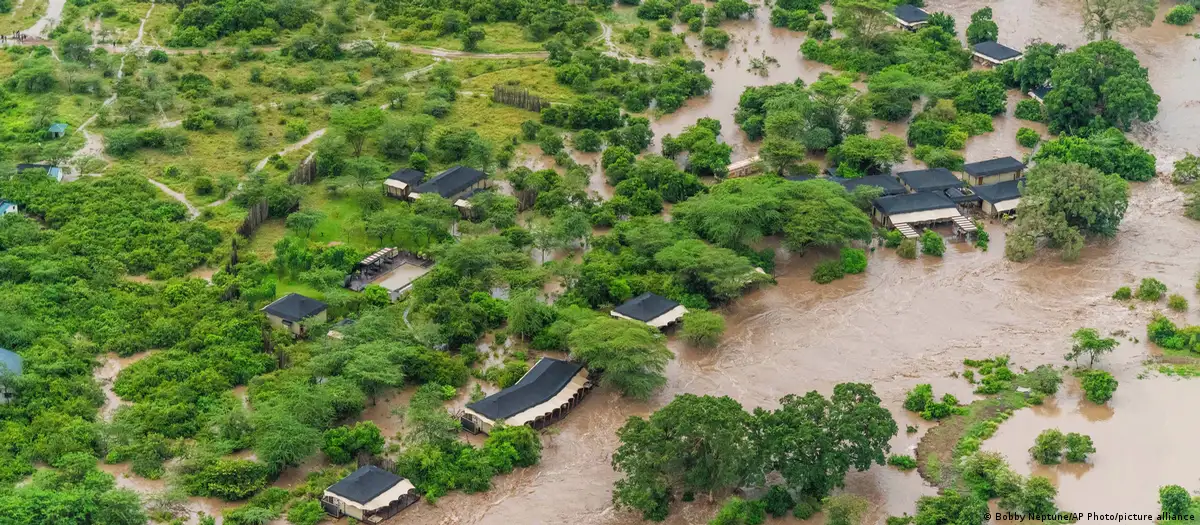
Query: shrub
{"points": [[550, 141], [845, 509], [1177, 302], [1181, 15], [1043, 380], [828, 271], [588, 141], [779, 501], [308, 512], [1151, 289], [893, 238], [703, 328], [956, 139], [1031, 110], [1123, 294], [1187, 170], [204, 186], [945, 158], [907, 249], [1028, 137], [902, 462], [715, 38], [1098, 386], [737, 511], [1078, 447], [158, 56], [854, 260], [932, 243], [1047, 448], [917, 398], [805, 508], [1174, 500], [530, 129]]}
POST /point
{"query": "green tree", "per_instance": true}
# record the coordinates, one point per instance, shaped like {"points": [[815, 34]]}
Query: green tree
{"points": [[1174, 500], [982, 28], [281, 440], [1102, 17], [1102, 78], [951, 508], [1064, 202], [471, 37], [1038, 497], [737, 511], [825, 217], [1048, 447], [702, 328], [1078, 447], [631, 355], [845, 509], [356, 124], [863, 20], [718, 273], [1098, 386], [861, 155], [307, 512], [304, 221], [1087, 341], [521, 439], [932, 243]]}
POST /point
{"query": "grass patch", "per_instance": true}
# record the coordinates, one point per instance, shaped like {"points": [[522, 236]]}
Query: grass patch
{"points": [[502, 37], [537, 78], [288, 286], [493, 121], [23, 17], [1175, 370], [262, 243]]}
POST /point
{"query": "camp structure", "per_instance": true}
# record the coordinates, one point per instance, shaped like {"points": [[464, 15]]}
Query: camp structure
{"points": [[10, 367], [993, 171], [743, 167], [999, 198], [994, 54], [8, 207], [936, 180], [1039, 93], [369, 495], [288, 311], [910, 17], [392, 268], [57, 130], [887, 183], [451, 184], [53, 171], [903, 212], [652, 309], [400, 182], [544, 395]]}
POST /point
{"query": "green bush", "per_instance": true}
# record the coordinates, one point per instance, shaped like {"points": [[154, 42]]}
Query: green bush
{"points": [[1151, 289], [1181, 15], [1044, 380], [1047, 448], [307, 512], [854, 260], [737, 511], [1098, 386], [1174, 500], [1031, 110], [805, 508], [1123, 294], [703, 328], [902, 462], [715, 38], [779, 501], [1078, 447], [1028, 137], [893, 238], [917, 398], [956, 139], [1186, 170], [907, 249], [932, 243], [828, 271], [1177, 302]]}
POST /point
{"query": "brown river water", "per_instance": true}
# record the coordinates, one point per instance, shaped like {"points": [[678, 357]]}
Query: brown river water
{"points": [[905, 322]]}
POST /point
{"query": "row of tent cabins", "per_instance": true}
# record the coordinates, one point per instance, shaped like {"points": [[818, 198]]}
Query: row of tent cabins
{"points": [[932, 196], [912, 18], [456, 184]]}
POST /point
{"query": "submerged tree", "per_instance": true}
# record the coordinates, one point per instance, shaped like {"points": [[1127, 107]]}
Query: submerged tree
{"points": [[1063, 202], [1088, 342], [631, 355], [1101, 17]]}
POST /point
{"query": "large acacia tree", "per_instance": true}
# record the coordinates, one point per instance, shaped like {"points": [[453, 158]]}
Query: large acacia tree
{"points": [[1102, 79], [631, 355], [1101, 17], [1061, 203]]}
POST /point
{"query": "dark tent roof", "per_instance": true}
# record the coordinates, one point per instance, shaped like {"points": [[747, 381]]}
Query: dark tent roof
{"points": [[961, 195], [910, 13], [996, 51], [545, 380], [646, 307], [295, 307], [1002, 191], [989, 168], [408, 176], [365, 484], [911, 202], [1041, 92], [799, 178], [23, 167], [11, 361], [936, 179], [452, 181], [890, 185]]}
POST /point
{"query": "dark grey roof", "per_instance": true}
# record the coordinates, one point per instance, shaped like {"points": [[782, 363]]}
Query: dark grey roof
{"points": [[365, 484], [1041, 92], [1001, 191], [11, 361], [961, 195], [890, 185], [23, 167], [935, 179], [545, 380], [408, 176], [990, 168], [799, 178], [452, 181], [646, 307], [295, 307], [996, 51], [911, 202], [910, 13]]}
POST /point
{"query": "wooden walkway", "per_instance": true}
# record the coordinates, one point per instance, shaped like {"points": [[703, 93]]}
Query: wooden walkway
{"points": [[906, 230], [964, 224]]}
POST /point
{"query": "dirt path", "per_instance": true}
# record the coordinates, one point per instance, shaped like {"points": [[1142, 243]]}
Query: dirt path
{"points": [[193, 212], [292, 147], [616, 52], [42, 27]]}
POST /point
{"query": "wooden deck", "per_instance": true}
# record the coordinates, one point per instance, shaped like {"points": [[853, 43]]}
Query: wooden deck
{"points": [[906, 230]]}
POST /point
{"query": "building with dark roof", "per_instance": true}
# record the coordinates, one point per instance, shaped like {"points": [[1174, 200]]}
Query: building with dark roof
{"points": [[400, 182], [369, 494], [999, 198], [452, 183], [933, 180], [544, 395], [993, 171], [54, 172], [962, 197], [1039, 93], [994, 53], [652, 309], [57, 130], [887, 183], [914, 208], [910, 17], [8, 207], [288, 311], [11, 365]]}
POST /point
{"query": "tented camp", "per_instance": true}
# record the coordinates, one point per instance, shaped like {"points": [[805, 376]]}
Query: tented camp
{"points": [[288, 311], [8, 207], [369, 495], [887, 183], [544, 395], [999, 198], [914, 209], [57, 130], [652, 309], [936, 180], [743, 167], [910, 17], [11, 366], [1039, 93], [993, 171], [994, 54], [400, 182], [452, 184], [54, 172]]}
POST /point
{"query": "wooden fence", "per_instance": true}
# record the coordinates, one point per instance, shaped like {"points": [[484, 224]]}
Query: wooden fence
{"points": [[520, 98], [257, 214], [305, 172]]}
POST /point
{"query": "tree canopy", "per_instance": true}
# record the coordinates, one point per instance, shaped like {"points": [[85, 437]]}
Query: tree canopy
{"points": [[1064, 202]]}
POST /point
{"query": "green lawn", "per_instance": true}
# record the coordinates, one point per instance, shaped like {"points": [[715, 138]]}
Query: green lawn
{"points": [[537, 78], [502, 37]]}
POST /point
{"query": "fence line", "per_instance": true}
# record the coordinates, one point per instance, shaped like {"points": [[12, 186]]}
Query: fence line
{"points": [[518, 97]]}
